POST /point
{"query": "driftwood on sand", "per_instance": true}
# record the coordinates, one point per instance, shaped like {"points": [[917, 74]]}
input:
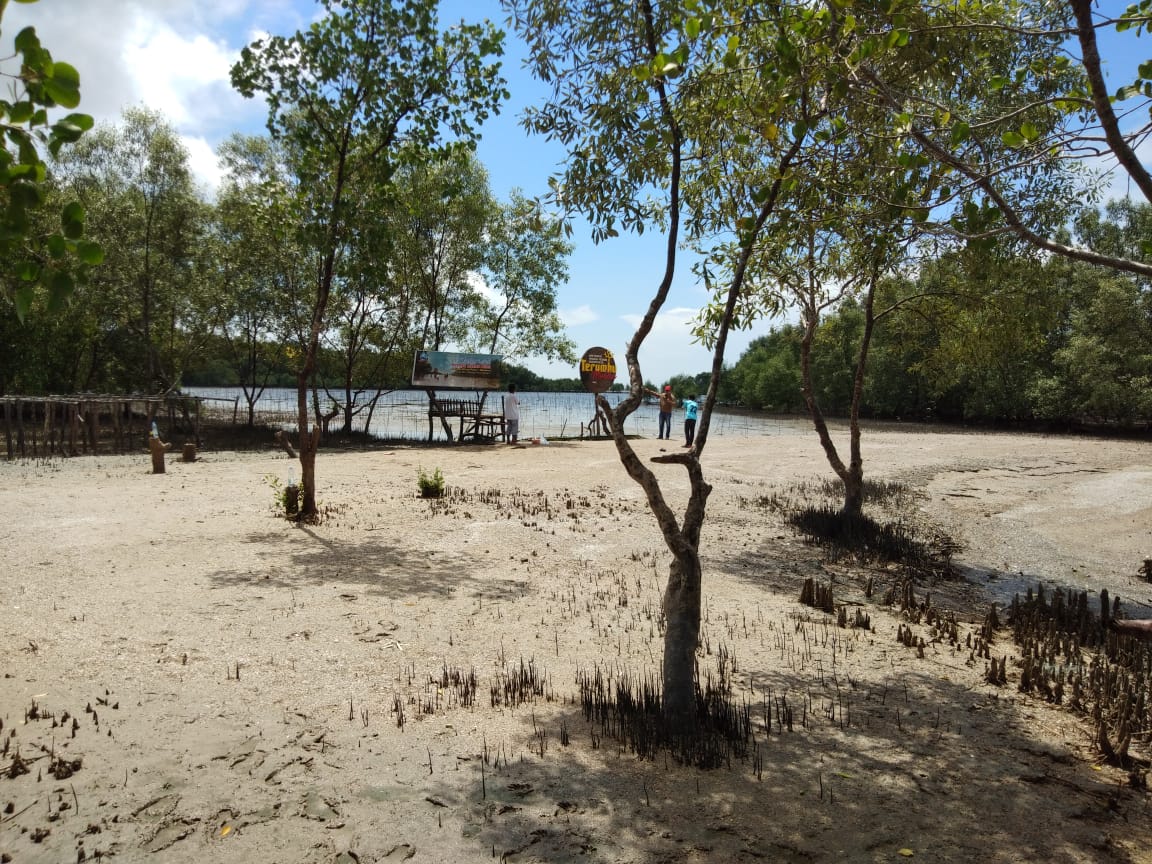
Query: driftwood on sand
{"points": [[284, 443]]}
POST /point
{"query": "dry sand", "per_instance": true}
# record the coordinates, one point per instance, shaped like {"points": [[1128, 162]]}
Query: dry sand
{"points": [[226, 684]]}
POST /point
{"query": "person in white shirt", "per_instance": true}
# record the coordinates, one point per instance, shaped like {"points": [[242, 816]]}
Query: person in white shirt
{"points": [[512, 414]]}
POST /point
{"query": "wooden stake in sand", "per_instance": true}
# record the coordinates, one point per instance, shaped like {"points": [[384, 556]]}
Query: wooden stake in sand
{"points": [[158, 448], [292, 500]]}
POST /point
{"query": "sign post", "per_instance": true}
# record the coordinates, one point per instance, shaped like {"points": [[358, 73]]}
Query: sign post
{"points": [[446, 370], [597, 374]]}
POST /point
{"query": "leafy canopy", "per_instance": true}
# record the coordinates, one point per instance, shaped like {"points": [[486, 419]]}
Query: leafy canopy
{"points": [[59, 257]]}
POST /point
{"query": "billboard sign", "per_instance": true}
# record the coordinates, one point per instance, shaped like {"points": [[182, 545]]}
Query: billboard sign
{"points": [[445, 370], [597, 370]]}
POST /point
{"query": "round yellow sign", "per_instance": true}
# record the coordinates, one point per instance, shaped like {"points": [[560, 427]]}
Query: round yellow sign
{"points": [[597, 370]]}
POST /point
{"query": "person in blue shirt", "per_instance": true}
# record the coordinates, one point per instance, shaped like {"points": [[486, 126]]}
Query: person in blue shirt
{"points": [[691, 407]]}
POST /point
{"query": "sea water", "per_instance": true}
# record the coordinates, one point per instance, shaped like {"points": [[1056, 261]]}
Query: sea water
{"points": [[403, 414]]}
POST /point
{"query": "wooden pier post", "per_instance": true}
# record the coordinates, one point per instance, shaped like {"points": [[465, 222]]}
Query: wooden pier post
{"points": [[158, 448]]}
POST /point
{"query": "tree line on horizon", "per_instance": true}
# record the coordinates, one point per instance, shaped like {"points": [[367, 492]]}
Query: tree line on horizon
{"points": [[985, 334], [989, 335]]}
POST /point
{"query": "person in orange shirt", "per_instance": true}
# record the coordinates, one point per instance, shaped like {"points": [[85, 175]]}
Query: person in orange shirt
{"points": [[667, 406]]}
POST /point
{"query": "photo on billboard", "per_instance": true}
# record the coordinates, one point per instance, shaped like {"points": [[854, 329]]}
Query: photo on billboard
{"points": [[446, 370]]}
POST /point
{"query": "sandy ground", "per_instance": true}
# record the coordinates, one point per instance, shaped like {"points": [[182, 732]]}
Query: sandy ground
{"points": [[225, 686]]}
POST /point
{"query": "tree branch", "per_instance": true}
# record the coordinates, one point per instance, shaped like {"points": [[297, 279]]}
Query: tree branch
{"points": [[1082, 9]]}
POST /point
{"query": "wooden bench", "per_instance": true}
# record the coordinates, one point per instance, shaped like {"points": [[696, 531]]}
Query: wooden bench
{"points": [[474, 425], [487, 428]]}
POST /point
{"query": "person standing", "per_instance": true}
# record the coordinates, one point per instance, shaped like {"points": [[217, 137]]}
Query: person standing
{"points": [[691, 407], [667, 405], [512, 415]]}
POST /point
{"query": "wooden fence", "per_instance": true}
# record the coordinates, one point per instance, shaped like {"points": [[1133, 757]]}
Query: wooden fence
{"points": [[85, 424]]}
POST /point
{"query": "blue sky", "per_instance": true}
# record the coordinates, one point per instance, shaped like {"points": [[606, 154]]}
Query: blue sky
{"points": [[174, 56]]}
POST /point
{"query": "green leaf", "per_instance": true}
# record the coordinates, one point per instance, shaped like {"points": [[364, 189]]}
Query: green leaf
{"points": [[22, 171], [997, 82], [63, 86], [65, 75], [57, 246], [80, 121], [59, 290], [1013, 139], [23, 297], [25, 194], [1029, 131], [960, 132], [66, 131], [27, 40], [21, 112], [18, 136], [89, 252], [72, 221]]}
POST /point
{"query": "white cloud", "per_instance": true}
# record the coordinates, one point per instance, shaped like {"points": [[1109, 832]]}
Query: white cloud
{"points": [[674, 321], [578, 315], [173, 56], [478, 284], [186, 78], [670, 348], [204, 164]]}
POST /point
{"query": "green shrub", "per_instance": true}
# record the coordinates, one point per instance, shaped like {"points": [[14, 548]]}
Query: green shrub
{"points": [[431, 485], [286, 499]]}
